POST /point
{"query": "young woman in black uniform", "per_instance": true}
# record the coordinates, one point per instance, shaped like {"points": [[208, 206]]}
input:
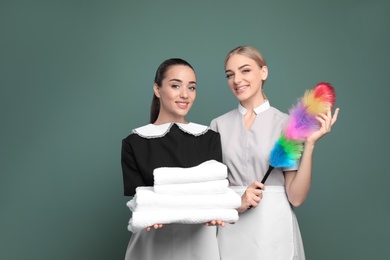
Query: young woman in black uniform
{"points": [[170, 141]]}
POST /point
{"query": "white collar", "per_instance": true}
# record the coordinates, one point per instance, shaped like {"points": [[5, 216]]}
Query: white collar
{"points": [[257, 110], [155, 131]]}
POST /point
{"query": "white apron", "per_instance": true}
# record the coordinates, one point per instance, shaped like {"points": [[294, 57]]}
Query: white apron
{"points": [[174, 242], [270, 231]]}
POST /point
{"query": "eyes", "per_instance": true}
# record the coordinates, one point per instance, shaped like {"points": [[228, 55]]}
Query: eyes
{"points": [[177, 86], [231, 74]]}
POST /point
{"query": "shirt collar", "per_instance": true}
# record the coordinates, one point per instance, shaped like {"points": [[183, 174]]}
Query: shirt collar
{"points": [[257, 110], [155, 131]]}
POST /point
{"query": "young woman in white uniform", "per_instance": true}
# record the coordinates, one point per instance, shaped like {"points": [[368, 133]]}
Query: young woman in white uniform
{"points": [[267, 228]]}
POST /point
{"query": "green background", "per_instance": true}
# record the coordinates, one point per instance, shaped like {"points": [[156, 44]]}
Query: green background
{"points": [[77, 76]]}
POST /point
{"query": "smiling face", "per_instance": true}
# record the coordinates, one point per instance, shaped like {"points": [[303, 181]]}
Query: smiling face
{"points": [[177, 93], [245, 79]]}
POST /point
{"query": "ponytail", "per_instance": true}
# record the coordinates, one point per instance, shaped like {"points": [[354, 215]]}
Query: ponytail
{"points": [[154, 109]]}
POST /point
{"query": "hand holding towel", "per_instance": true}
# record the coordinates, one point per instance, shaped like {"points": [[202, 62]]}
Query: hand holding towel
{"points": [[141, 220]]}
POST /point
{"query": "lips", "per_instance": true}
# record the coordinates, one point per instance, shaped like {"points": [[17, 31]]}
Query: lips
{"points": [[182, 105], [240, 89]]}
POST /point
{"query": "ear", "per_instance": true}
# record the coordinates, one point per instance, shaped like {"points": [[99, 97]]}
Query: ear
{"points": [[264, 72], [156, 90]]}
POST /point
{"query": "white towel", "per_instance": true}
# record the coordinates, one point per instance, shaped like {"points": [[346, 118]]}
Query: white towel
{"points": [[141, 220], [199, 188], [147, 200], [207, 171]]}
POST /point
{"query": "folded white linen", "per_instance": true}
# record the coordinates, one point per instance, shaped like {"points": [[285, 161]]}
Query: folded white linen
{"points": [[141, 220], [147, 200], [199, 188], [207, 171]]}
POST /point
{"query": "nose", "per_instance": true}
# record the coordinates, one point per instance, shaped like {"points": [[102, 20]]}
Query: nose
{"points": [[184, 93], [236, 79]]}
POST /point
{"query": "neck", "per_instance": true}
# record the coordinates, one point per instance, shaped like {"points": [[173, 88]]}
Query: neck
{"points": [[250, 105], [254, 101], [164, 120]]}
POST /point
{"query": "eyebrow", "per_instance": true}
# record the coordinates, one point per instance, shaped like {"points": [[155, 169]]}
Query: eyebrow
{"points": [[178, 80], [239, 67]]}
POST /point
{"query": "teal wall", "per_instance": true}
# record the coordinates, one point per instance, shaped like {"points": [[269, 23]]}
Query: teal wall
{"points": [[77, 76]]}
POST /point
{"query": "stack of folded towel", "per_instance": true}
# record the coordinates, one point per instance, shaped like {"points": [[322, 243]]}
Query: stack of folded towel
{"points": [[185, 195]]}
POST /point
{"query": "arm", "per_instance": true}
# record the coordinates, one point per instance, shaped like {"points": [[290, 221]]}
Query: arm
{"points": [[216, 148], [298, 182], [132, 177]]}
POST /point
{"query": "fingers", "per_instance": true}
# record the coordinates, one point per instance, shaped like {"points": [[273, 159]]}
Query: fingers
{"points": [[325, 123], [220, 223], [257, 185], [329, 120], [215, 223], [210, 223], [326, 120], [155, 226], [252, 196], [335, 115]]}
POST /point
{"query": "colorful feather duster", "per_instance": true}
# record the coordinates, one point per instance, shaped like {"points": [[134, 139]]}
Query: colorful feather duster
{"points": [[285, 153], [320, 98], [303, 121], [301, 124]]}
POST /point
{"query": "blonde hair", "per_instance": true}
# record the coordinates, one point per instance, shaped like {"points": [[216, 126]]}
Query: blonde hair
{"points": [[250, 52]]}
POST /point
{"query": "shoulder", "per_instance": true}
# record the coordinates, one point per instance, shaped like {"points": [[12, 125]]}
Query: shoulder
{"points": [[278, 114], [225, 118], [200, 131], [135, 134]]}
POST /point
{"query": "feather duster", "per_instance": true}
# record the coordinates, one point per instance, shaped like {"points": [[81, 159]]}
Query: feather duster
{"points": [[319, 99], [285, 153], [302, 123]]}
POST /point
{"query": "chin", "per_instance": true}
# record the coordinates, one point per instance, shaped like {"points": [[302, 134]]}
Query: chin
{"points": [[241, 97], [182, 113]]}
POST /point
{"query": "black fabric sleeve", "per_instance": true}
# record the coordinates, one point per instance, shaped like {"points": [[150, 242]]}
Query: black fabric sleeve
{"points": [[132, 177], [216, 147]]}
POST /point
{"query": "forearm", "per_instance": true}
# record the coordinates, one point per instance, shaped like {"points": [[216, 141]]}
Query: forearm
{"points": [[298, 183]]}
